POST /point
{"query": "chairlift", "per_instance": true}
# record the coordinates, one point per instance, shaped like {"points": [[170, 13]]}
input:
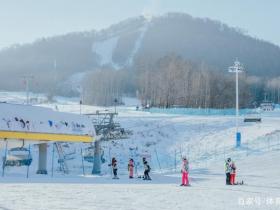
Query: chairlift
{"points": [[69, 151], [88, 155], [18, 156]]}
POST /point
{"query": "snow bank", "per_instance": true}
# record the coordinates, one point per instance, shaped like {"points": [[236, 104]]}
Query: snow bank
{"points": [[43, 120]]}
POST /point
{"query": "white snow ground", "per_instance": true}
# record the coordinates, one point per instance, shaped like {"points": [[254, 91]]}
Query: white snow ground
{"points": [[205, 140]]}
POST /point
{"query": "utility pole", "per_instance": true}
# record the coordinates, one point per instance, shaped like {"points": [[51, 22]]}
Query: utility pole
{"points": [[237, 68], [80, 90], [27, 80]]}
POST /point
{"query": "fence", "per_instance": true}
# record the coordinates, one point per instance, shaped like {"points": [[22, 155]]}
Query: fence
{"points": [[201, 155]]}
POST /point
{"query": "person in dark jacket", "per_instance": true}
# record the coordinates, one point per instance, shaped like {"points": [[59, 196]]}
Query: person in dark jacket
{"points": [[228, 170], [147, 170], [114, 168]]}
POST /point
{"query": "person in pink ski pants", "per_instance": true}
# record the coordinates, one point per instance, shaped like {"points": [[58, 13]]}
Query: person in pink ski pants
{"points": [[185, 172], [232, 173], [130, 168]]}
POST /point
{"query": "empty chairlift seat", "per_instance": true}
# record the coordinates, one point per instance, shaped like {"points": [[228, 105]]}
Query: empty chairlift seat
{"points": [[18, 156]]}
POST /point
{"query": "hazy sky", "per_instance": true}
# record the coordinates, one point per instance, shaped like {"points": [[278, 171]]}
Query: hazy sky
{"points": [[24, 21]]}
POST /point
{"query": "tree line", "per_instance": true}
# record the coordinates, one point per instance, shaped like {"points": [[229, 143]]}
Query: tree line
{"points": [[174, 81]]}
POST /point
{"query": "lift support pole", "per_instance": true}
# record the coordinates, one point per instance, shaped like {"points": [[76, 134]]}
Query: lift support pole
{"points": [[42, 162], [97, 157]]}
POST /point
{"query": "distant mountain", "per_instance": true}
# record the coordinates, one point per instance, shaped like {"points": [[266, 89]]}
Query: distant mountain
{"points": [[55, 61]]}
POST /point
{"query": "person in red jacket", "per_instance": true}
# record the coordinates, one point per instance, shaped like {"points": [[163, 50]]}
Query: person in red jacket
{"points": [[130, 168]]}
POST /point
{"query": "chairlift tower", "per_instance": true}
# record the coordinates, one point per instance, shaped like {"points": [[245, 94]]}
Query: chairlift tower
{"points": [[106, 129], [103, 123], [237, 68]]}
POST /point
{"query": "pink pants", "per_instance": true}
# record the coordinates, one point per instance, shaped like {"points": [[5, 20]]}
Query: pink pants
{"points": [[232, 179], [185, 178], [131, 172]]}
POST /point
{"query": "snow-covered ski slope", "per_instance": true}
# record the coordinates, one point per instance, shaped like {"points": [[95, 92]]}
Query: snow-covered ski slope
{"points": [[163, 138]]}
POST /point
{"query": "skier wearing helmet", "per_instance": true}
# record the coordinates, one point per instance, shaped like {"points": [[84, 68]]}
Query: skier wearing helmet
{"points": [[185, 172], [228, 170]]}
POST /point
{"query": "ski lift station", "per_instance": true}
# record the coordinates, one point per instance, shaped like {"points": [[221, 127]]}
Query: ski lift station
{"points": [[25, 124]]}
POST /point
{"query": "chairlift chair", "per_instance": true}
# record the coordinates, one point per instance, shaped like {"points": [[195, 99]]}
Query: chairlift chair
{"points": [[18, 156]]}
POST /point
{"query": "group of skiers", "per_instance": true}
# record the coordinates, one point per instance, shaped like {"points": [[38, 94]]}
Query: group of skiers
{"points": [[230, 170], [130, 168]]}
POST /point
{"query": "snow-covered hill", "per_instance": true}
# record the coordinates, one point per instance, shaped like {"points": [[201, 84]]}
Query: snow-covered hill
{"points": [[135, 42]]}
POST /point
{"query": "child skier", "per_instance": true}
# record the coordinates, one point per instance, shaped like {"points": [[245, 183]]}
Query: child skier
{"points": [[228, 170], [147, 170], [114, 168], [130, 168], [232, 173], [185, 172]]}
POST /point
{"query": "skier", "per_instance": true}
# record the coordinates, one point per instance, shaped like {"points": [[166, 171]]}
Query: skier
{"points": [[227, 170], [185, 172], [232, 173], [114, 168], [130, 168], [147, 170]]}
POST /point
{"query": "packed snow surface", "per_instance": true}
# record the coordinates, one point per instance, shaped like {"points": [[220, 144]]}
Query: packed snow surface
{"points": [[206, 140], [208, 191]]}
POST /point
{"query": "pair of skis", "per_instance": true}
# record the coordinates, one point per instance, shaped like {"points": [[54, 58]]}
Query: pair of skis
{"points": [[238, 183], [185, 185], [143, 178]]}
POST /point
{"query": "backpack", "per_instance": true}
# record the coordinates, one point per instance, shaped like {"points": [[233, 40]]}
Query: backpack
{"points": [[149, 168]]}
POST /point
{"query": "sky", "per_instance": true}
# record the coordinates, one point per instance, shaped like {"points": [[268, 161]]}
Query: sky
{"points": [[24, 21]]}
